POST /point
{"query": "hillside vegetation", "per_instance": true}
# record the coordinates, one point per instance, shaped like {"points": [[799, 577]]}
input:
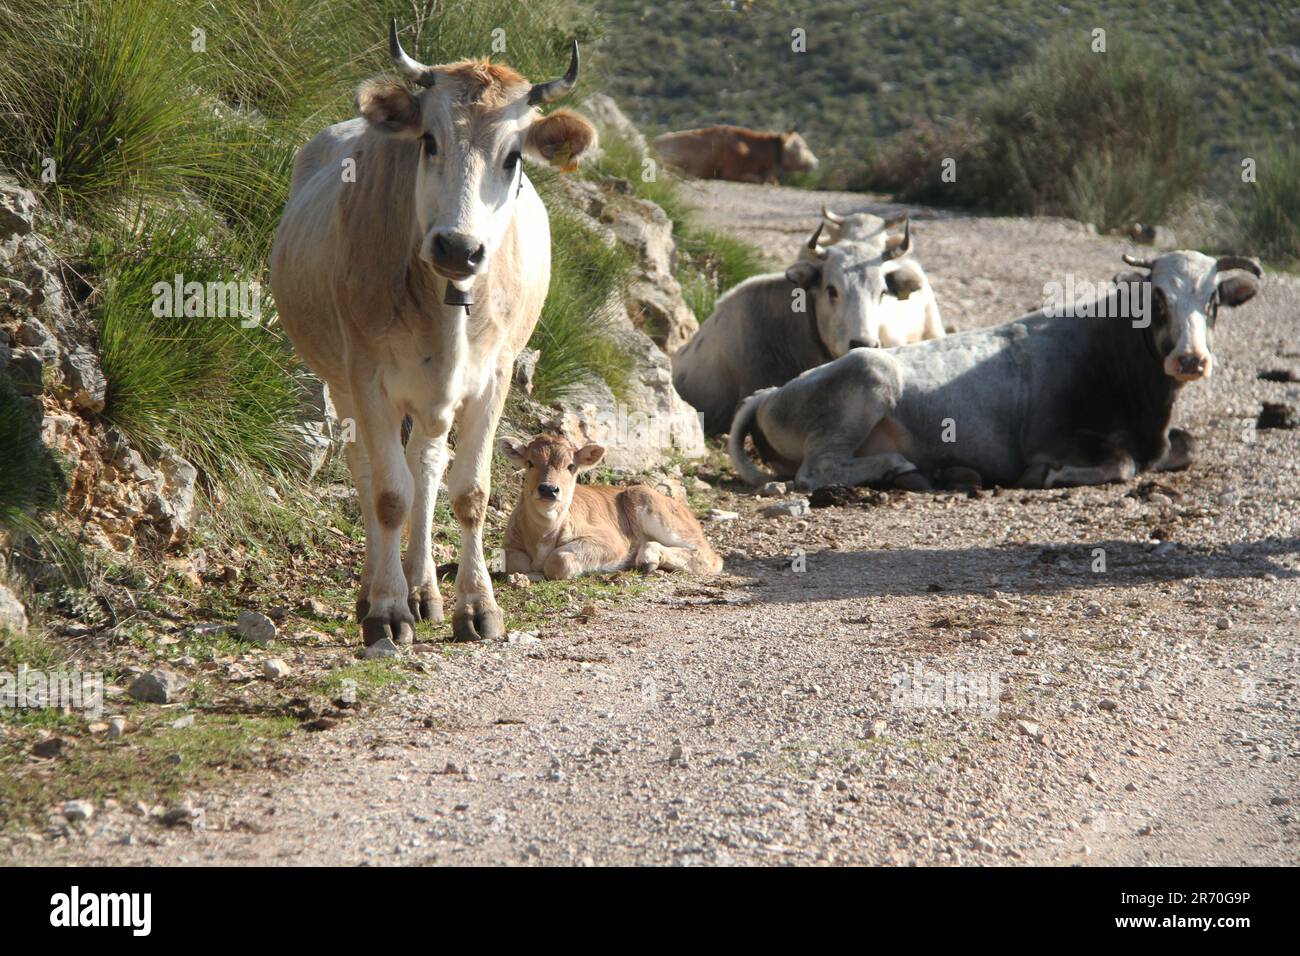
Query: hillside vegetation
{"points": [[872, 69], [1036, 118]]}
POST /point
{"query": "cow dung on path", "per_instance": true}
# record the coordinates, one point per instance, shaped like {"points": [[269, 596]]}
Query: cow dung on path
{"points": [[1276, 415]]}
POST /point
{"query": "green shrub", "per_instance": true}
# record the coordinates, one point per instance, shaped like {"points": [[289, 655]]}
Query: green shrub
{"points": [[1109, 138], [1270, 215]]}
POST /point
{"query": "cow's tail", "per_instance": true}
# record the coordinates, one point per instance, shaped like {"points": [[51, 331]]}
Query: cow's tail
{"points": [[742, 426]]}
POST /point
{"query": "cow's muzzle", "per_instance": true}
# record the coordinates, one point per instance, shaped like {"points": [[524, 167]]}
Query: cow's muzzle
{"points": [[548, 492], [1188, 367], [455, 255]]}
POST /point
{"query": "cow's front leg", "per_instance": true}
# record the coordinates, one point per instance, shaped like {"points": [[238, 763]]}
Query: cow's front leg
{"points": [[1179, 453], [576, 558], [388, 621], [354, 451], [426, 458], [477, 616]]}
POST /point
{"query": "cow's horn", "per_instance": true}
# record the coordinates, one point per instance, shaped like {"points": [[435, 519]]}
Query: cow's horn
{"points": [[812, 243], [833, 218], [1239, 262], [411, 69], [904, 246], [1139, 261], [553, 90]]}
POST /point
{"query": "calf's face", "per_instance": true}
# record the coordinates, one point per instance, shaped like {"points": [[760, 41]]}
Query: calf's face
{"points": [[1187, 289], [551, 466]]}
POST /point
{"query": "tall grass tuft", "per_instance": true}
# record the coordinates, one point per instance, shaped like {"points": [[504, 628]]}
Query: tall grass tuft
{"points": [[225, 396], [574, 334], [1270, 216], [97, 100]]}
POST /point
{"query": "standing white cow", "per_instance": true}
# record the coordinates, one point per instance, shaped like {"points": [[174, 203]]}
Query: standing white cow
{"points": [[409, 269]]}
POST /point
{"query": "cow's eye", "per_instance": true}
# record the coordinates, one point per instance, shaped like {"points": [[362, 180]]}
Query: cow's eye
{"points": [[430, 144], [513, 160], [528, 464], [832, 292], [574, 468]]}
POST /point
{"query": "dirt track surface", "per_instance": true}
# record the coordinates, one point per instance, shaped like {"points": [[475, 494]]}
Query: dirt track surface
{"points": [[1141, 714]]}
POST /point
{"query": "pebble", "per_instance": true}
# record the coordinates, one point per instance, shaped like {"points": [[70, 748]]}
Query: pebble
{"points": [[274, 669], [183, 722], [116, 726], [380, 650], [1223, 623], [773, 489], [255, 627], [1107, 703], [75, 810], [795, 508], [523, 637], [1027, 727], [157, 687], [718, 514]]}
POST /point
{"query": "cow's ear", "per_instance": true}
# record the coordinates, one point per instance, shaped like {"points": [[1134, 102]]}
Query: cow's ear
{"points": [[804, 273], [1234, 290], [560, 139], [1128, 278], [588, 456], [390, 107], [903, 281], [514, 453]]}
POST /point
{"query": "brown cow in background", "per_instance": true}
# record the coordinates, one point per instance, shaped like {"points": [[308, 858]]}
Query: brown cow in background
{"points": [[735, 153]]}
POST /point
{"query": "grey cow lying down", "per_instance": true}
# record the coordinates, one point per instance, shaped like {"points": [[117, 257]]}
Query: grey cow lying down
{"points": [[1044, 401]]}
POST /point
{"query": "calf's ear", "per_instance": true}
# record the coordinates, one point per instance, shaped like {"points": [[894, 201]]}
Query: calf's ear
{"points": [[804, 273], [560, 139], [390, 108], [587, 456], [512, 452], [1234, 290], [903, 282]]}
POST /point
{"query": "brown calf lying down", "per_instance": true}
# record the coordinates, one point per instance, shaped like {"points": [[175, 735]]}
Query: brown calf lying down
{"points": [[561, 529]]}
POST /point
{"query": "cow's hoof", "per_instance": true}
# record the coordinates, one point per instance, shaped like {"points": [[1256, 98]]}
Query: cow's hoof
{"points": [[381, 649], [426, 604], [397, 627], [477, 623], [363, 609], [912, 481]]}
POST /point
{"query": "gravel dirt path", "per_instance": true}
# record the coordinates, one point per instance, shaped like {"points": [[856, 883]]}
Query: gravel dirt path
{"points": [[1144, 713]]}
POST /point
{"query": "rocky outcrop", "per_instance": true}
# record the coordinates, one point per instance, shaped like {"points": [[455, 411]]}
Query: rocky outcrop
{"points": [[649, 319], [49, 358]]}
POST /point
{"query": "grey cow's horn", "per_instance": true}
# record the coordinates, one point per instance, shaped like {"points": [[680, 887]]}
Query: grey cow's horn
{"points": [[904, 246], [1138, 261], [1239, 262], [411, 69], [553, 90], [812, 243]]}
